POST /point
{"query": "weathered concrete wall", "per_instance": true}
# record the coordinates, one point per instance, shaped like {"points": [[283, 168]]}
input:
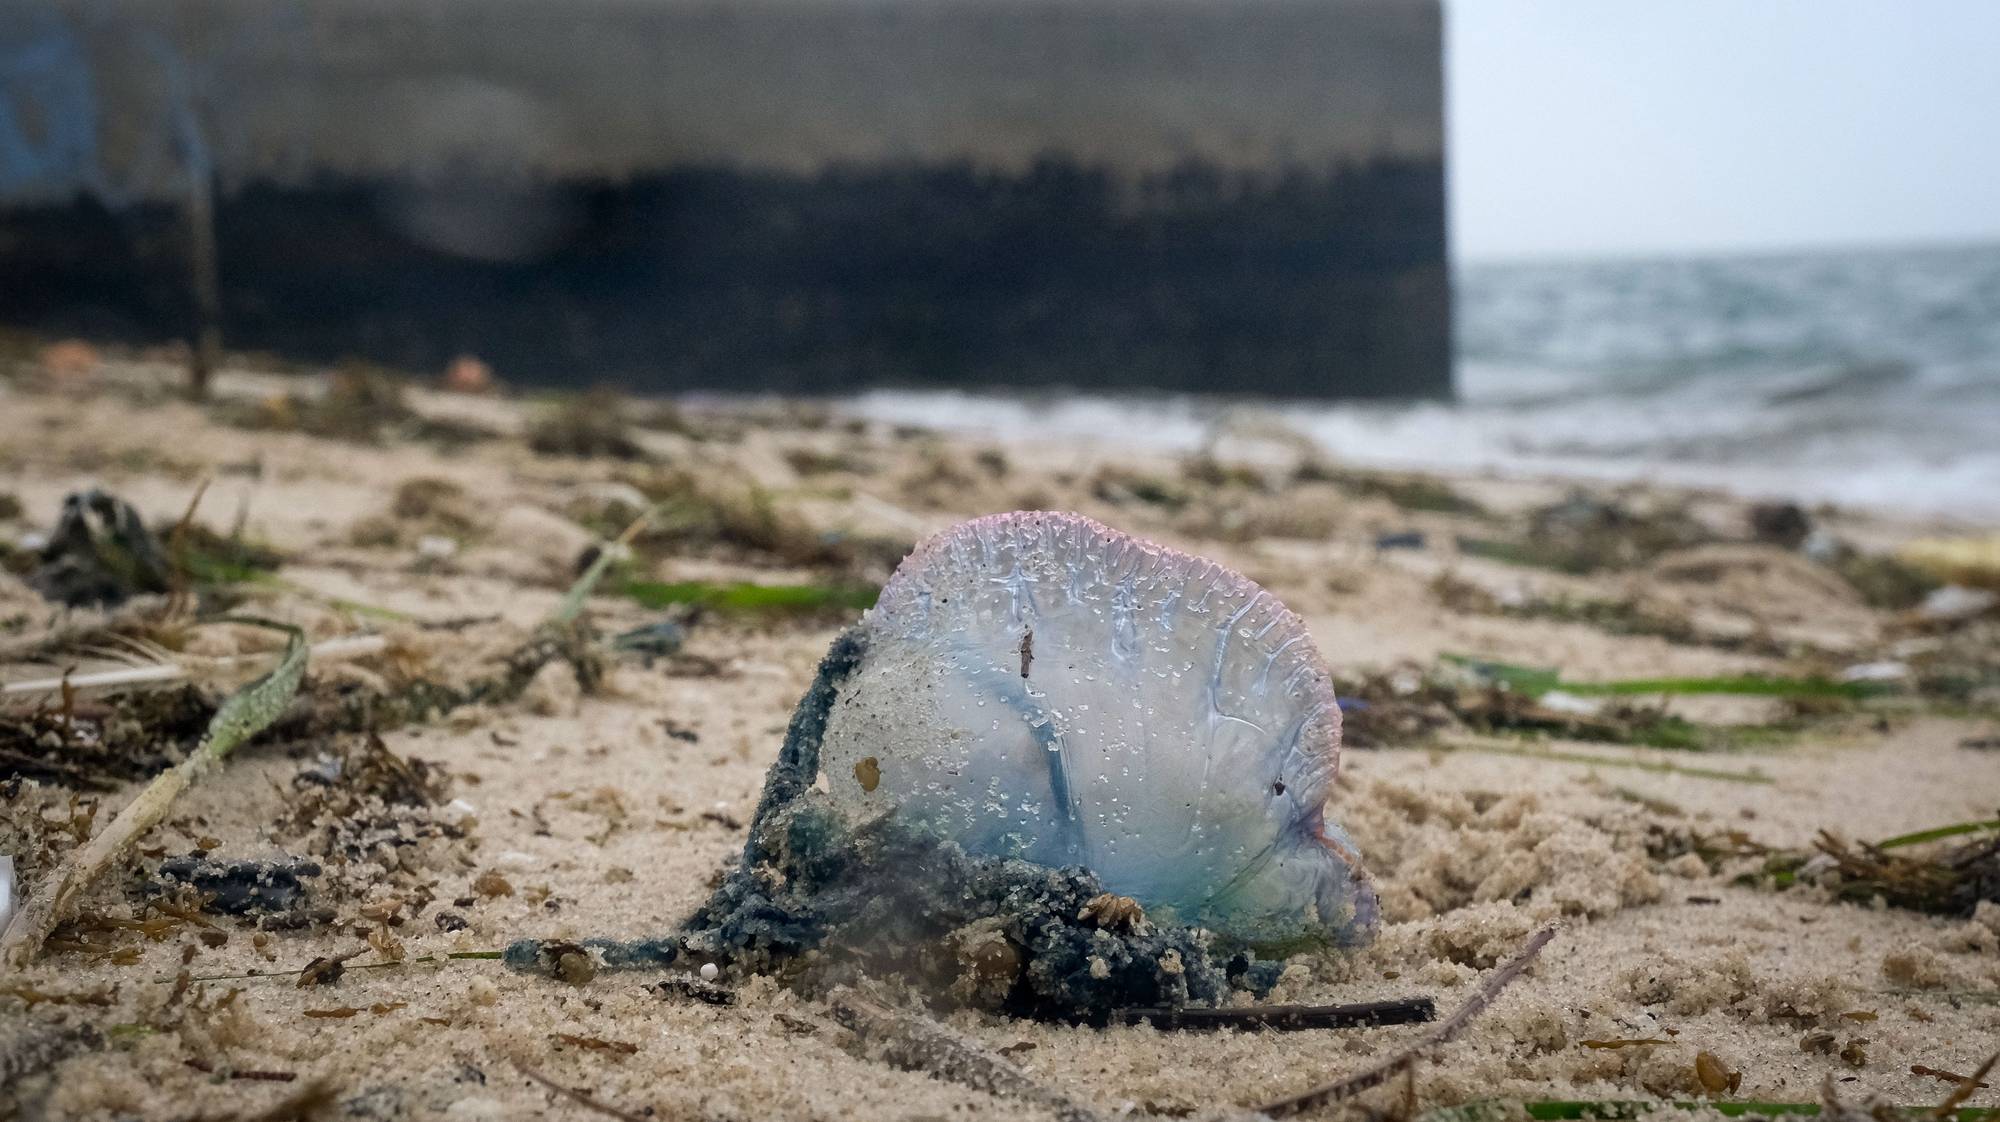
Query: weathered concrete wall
{"points": [[1181, 194]]}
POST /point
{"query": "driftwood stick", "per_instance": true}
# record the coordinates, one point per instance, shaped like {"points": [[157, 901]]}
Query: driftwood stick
{"points": [[1360, 1014], [1446, 1030], [917, 1043]]}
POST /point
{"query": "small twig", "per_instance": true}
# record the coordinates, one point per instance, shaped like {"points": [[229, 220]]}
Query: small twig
{"points": [[1966, 1086], [177, 539], [1446, 1030], [245, 713], [207, 1068], [577, 1097], [1362, 1014], [916, 1043]]}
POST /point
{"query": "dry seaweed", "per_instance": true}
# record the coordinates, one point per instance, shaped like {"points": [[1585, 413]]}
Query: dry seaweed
{"points": [[586, 426], [1952, 880], [361, 404], [100, 553], [99, 743], [730, 519], [1586, 534], [246, 713], [1407, 706]]}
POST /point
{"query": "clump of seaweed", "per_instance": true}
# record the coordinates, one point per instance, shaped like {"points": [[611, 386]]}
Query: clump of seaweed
{"points": [[1123, 486], [245, 714], [1412, 491], [586, 426], [100, 553], [1585, 534], [361, 404], [366, 811], [98, 743], [1948, 880], [1410, 705], [701, 515], [1884, 581]]}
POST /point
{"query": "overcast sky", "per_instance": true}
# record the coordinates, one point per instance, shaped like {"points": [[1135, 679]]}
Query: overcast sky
{"points": [[1589, 127]]}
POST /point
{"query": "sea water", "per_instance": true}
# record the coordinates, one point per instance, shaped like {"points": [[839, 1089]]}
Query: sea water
{"points": [[1868, 378]]}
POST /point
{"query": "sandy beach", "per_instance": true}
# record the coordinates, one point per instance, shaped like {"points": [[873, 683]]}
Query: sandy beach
{"points": [[1643, 824]]}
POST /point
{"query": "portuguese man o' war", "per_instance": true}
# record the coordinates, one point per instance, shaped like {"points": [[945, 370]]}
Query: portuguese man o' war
{"points": [[1041, 686], [1055, 771]]}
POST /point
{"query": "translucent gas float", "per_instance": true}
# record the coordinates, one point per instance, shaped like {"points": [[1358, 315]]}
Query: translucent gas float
{"points": [[1040, 686]]}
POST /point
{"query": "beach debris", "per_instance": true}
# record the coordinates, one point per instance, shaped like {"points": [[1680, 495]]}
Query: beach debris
{"points": [[1408, 491], [1947, 1076], [917, 1043], [91, 743], [100, 554], [1953, 603], [1715, 1075], [587, 426], [1954, 880], [241, 717], [1152, 663], [6, 889], [1447, 1030], [700, 986], [1285, 1018], [580, 1098], [241, 887], [1782, 524], [1410, 704], [1884, 580], [359, 403], [468, 374], [1970, 561], [649, 641], [1885, 670], [1586, 534]]}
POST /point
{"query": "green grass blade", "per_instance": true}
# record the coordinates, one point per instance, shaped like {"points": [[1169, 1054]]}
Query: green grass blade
{"points": [[1659, 766], [1937, 833], [251, 709], [753, 599]]}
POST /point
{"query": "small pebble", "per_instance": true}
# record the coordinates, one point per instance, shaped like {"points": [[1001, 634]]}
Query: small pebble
{"points": [[710, 972]]}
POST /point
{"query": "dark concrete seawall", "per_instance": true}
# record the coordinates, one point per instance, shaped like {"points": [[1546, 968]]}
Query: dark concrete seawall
{"points": [[1245, 196]]}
